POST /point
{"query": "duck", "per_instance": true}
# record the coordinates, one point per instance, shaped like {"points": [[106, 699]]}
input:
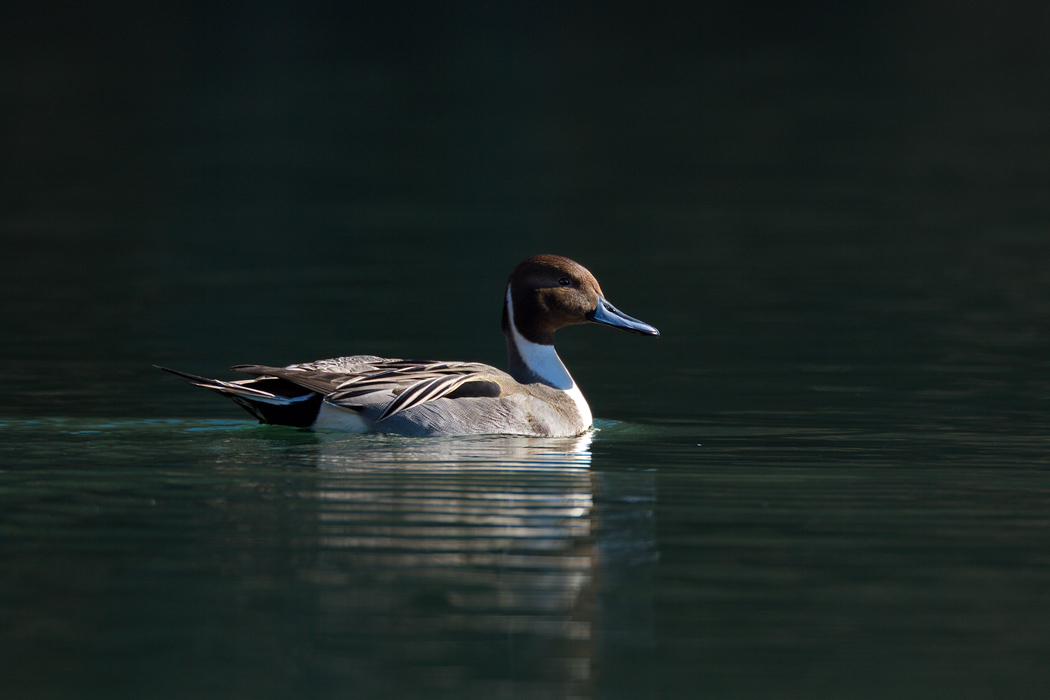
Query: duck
{"points": [[364, 393]]}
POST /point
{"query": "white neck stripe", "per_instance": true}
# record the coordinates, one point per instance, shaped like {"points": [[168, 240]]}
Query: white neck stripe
{"points": [[542, 360]]}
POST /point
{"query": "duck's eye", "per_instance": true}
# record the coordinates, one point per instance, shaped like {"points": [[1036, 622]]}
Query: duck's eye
{"points": [[565, 282]]}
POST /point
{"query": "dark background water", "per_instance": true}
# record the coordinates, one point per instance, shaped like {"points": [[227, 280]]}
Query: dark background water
{"points": [[827, 478]]}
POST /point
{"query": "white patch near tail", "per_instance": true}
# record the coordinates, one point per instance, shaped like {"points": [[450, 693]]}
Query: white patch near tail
{"points": [[334, 418]]}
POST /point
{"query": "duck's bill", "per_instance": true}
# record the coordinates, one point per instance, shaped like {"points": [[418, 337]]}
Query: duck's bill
{"points": [[607, 314]]}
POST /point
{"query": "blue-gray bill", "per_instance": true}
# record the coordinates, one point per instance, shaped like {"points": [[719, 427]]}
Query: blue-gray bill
{"points": [[609, 315]]}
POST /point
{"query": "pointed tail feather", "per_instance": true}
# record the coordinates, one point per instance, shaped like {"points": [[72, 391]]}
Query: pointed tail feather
{"points": [[298, 409], [236, 388]]}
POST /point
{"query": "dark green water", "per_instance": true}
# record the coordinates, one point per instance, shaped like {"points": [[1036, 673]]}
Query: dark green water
{"points": [[828, 478]]}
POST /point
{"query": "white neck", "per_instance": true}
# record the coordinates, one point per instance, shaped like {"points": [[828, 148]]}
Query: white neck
{"points": [[543, 361]]}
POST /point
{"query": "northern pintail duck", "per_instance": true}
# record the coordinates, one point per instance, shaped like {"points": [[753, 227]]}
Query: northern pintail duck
{"points": [[364, 393]]}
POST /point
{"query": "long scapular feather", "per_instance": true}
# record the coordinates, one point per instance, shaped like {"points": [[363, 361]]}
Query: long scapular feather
{"points": [[424, 391]]}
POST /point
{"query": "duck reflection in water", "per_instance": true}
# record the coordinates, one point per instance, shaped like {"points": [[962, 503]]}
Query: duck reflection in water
{"points": [[480, 562]]}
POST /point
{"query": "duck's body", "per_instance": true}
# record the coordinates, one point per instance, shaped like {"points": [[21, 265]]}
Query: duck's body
{"points": [[364, 393]]}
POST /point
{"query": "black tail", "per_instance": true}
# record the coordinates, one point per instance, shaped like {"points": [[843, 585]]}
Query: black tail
{"points": [[269, 399]]}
